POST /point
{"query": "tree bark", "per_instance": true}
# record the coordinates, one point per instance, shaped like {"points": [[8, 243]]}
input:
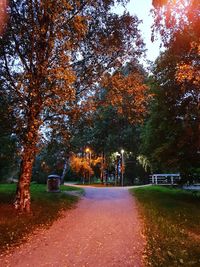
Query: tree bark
{"points": [[66, 166], [23, 198]]}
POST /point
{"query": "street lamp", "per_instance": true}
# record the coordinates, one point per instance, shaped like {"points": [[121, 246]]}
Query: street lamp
{"points": [[89, 152], [122, 169], [117, 168]]}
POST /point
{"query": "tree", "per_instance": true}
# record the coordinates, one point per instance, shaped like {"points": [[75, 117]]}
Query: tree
{"points": [[53, 55], [172, 16], [81, 166], [121, 101], [127, 92], [171, 134], [36, 81], [123, 98]]}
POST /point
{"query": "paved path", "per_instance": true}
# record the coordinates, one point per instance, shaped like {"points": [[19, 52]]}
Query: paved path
{"points": [[104, 230]]}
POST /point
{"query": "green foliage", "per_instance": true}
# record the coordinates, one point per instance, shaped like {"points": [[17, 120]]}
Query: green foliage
{"points": [[50, 160], [108, 127], [172, 223], [109, 132], [115, 123], [170, 137], [46, 207], [72, 176], [134, 172]]}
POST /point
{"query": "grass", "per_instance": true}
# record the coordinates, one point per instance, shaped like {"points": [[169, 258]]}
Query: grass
{"points": [[172, 226], [46, 208]]}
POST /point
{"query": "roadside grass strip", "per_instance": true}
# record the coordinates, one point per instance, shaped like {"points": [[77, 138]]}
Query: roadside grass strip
{"points": [[171, 225]]}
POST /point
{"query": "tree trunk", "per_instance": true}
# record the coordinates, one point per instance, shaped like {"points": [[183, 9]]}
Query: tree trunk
{"points": [[102, 167], [66, 166], [23, 199]]}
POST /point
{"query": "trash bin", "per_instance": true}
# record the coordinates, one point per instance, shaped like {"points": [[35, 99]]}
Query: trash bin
{"points": [[53, 183]]}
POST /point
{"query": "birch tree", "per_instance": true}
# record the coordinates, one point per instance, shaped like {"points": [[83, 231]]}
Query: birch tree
{"points": [[52, 55]]}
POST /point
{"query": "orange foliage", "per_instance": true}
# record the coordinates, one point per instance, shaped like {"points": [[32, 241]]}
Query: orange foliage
{"points": [[128, 94], [96, 161], [80, 165], [3, 16], [189, 71]]}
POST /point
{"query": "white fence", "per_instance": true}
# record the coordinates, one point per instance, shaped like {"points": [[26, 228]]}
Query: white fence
{"points": [[165, 178]]}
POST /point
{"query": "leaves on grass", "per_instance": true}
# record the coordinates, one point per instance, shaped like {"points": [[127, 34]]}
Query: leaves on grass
{"points": [[169, 216], [46, 207]]}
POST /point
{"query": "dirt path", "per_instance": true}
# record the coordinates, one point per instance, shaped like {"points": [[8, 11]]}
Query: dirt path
{"points": [[104, 230]]}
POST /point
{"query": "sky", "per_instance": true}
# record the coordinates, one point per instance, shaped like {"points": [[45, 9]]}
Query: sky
{"points": [[142, 8]]}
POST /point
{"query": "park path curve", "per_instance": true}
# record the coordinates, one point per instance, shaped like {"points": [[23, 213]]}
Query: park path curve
{"points": [[103, 230]]}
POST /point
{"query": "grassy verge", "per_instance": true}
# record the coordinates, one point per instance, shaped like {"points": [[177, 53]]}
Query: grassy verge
{"points": [[46, 207], [172, 226]]}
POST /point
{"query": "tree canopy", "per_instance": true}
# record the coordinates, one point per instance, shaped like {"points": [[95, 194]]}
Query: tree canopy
{"points": [[174, 116]]}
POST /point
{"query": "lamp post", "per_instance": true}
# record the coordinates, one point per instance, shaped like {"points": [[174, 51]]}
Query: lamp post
{"points": [[122, 168], [89, 152], [117, 168]]}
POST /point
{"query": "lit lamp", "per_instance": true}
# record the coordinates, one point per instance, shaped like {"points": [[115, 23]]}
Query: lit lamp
{"points": [[122, 153]]}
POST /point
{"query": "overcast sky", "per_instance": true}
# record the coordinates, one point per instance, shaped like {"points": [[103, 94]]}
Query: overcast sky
{"points": [[141, 8]]}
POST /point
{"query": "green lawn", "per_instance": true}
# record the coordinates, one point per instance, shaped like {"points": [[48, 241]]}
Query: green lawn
{"points": [[172, 225], [46, 207]]}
